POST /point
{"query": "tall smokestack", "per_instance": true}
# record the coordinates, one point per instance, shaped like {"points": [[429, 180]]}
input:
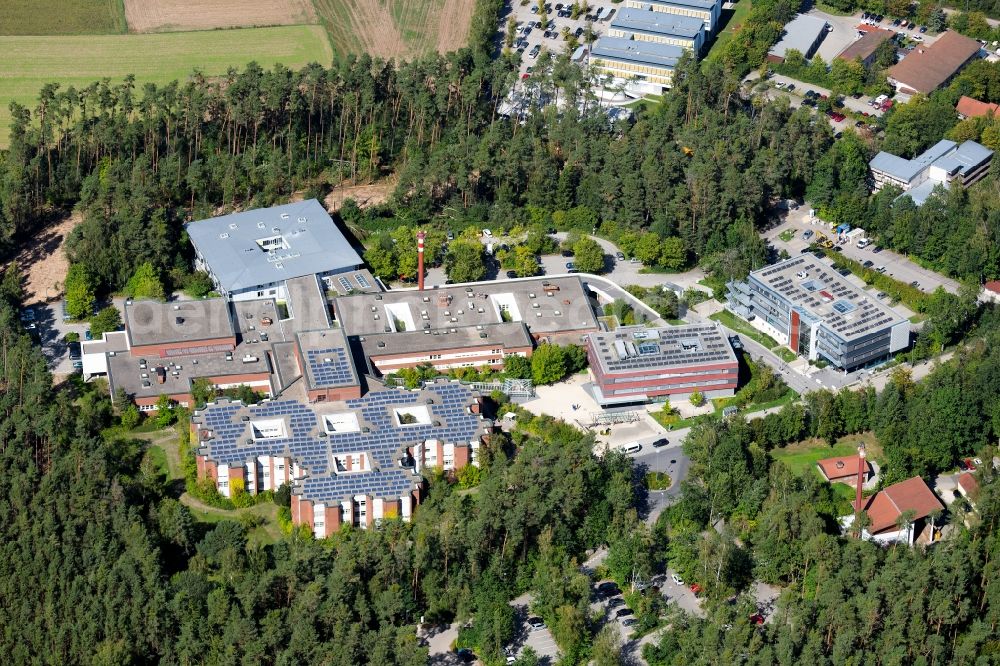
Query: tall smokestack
{"points": [[420, 260], [862, 467]]}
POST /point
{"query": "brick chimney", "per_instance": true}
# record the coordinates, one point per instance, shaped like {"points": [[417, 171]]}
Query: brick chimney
{"points": [[420, 260]]}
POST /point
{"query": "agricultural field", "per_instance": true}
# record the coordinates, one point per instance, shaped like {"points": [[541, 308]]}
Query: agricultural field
{"points": [[178, 15], [395, 28], [61, 17], [30, 62]]}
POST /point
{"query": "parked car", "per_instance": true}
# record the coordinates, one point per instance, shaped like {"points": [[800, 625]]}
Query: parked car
{"points": [[535, 50], [536, 623], [807, 234], [876, 249], [735, 341], [634, 260], [868, 263], [915, 284], [27, 314], [756, 619], [630, 622], [963, 466], [881, 295], [623, 612], [620, 256], [608, 588], [570, 266], [465, 655], [660, 443], [677, 579], [880, 269], [487, 233]]}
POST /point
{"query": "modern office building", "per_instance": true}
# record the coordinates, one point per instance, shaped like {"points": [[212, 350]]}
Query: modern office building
{"points": [[251, 254], [944, 163], [638, 364], [927, 68], [650, 65], [355, 462], [804, 34], [646, 25], [819, 314], [708, 11]]}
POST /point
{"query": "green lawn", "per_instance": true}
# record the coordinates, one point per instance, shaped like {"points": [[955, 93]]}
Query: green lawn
{"points": [[732, 23], [784, 353], [802, 456], [30, 62], [833, 11], [728, 319], [787, 235], [61, 17]]}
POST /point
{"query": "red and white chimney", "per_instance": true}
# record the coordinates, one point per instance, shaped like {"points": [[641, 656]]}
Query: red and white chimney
{"points": [[420, 260], [862, 469]]}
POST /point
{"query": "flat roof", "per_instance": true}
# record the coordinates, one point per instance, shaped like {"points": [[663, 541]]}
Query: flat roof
{"points": [[644, 53], [327, 358], [156, 323], [706, 5], [307, 306], [926, 69], [826, 295], [636, 348], [800, 34], [545, 305], [111, 341], [137, 374], [313, 445], [506, 335], [267, 245], [658, 23]]}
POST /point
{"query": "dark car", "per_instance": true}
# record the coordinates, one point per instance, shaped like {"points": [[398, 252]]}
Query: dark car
{"points": [[876, 249], [756, 619], [511, 274], [962, 466], [608, 588], [868, 263], [465, 655], [915, 284], [578, 32], [630, 622], [660, 443], [570, 266], [623, 612], [837, 248], [735, 341]]}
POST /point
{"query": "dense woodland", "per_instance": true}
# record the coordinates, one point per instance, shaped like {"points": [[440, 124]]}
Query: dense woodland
{"points": [[101, 564]]}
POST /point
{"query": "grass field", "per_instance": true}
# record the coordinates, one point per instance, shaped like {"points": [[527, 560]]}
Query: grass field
{"points": [[728, 319], [30, 62], [733, 23], [60, 17], [395, 28], [802, 456]]}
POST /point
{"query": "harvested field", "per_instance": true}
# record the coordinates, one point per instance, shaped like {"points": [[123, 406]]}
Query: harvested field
{"points": [[176, 15], [30, 62], [61, 17], [43, 262], [396, 28]]}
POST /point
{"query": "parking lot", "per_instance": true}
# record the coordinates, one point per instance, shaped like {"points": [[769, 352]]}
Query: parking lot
{"points": [[539, 639], [896, 265], [526, 43], [47, 326]]}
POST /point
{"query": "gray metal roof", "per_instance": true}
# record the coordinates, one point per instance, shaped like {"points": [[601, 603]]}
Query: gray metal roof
{"points": [[658, 23], [507, 335], [156, 323], [705, 5], [633, 348], [309, 243], [896, 167], [946, 155], [800, 34], [644, 53]]}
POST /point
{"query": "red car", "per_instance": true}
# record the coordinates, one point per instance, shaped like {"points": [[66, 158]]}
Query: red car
{"points": [[696, 588], [970, 464], [756, 619]]}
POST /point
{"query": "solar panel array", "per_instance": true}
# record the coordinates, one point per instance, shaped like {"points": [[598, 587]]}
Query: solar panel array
{"points": [[333, 372], [362, 281], [673, 349], [864, 318], [380, 437]]}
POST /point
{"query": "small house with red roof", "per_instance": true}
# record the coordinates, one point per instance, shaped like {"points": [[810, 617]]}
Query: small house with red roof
{"points": [[899, 513]]}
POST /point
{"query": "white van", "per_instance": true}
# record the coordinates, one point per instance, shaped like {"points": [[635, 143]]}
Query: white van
{"points": [[631, 447], [863, 243]]}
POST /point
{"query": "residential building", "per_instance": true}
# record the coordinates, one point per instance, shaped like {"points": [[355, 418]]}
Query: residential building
{"points": [[356, 462], [804, 34], [843, 469], [709, 11], [818, 313], [968, 487], [649, 65], [944, 163], [864, 47], [928, 68], [251, 254], [646, 25], [968, 107], [900, 513], [637, 364]]}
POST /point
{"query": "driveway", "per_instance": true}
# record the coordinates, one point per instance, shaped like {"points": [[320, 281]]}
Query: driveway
{"points": [[540, 640]]}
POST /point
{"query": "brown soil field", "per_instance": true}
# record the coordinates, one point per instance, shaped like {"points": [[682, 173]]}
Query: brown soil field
{"points": [[177, 15], [43, 261], [453, 24], [365, 195]]}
